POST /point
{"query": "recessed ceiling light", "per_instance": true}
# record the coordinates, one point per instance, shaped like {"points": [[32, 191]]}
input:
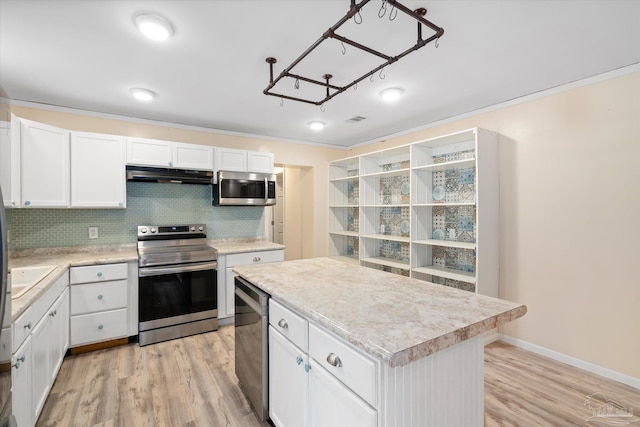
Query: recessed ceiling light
{"points": [[316, 125], [392, 94], [154, 27], [142, 94]]}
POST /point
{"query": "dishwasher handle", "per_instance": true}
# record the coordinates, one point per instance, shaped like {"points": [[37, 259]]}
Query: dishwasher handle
{"points": [[248, 300]]}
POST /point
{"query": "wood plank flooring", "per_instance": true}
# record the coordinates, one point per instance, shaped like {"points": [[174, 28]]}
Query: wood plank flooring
{"points": [[191, 382]]}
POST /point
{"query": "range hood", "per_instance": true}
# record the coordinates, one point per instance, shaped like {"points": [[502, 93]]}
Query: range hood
{"points": [[165, 175]]}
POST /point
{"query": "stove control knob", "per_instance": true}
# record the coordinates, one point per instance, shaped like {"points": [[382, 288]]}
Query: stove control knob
{"points": [[200, 228], [153, 229], [193, 228], [143, 230]]}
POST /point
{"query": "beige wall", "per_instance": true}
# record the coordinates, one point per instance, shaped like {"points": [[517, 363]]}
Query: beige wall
{"points": [[312, 237], [570, 218]]}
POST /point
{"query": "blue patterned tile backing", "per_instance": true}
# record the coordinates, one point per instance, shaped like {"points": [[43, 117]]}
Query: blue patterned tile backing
{"points": [[147, 203]]}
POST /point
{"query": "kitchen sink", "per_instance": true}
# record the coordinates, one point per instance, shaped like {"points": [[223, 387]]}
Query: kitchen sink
{"points": [[23, 279]]}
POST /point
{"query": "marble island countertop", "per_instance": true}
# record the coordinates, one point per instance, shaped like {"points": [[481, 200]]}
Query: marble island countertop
{"points": [[393, 318], [236, 246]]}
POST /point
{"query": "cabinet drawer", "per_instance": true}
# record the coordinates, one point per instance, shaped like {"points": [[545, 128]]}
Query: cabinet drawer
{"points": [[102, 296], [289, 324], [255, 257], [354, 369], [97, 327], [98, 273]]}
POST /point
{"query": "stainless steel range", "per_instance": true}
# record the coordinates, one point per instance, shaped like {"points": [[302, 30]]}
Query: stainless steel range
{"points": [[177, 280]]}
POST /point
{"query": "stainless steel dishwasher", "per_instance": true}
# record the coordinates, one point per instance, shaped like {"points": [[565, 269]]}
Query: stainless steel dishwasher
{"points": [[252, 345]]}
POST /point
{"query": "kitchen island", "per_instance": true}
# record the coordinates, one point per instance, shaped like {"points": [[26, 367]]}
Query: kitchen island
{"points": [[424, 342]]}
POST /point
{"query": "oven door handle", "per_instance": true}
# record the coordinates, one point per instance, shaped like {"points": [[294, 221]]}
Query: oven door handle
{"points": [[158, 271]]}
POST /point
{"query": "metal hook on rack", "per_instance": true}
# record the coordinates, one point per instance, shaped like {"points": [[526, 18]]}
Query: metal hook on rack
{"points": [[322, 108], [393, 16], [437, 43], [296, 85], [371, 78], [281, 101], [383, 9], [344, 49], [355, 18], [355, 86], [382, 76]]}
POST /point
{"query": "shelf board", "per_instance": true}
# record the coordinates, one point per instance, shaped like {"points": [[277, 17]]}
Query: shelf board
{"points": [[447, 273], [345, 178], [456, 164], [397, 172], [343, 206], [446, 204], [387, 262], [447, 243], [347, 259], [345, 233], [400, 205], [387, 237]]}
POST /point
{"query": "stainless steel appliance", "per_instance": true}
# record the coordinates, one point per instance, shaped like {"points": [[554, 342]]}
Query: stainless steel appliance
{"points": [[177, 282], [244, 189], [252, 345], [6, 417]]}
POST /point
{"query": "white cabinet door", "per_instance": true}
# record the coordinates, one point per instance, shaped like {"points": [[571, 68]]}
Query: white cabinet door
{"points": [[192, 156], [333, 404], [98, 176], [259, 162], [10, 161], [59, 313], [232, 160], [229, 293], [45, 165], [288, 382], [41, 372], [22, 406], [149, 152]]}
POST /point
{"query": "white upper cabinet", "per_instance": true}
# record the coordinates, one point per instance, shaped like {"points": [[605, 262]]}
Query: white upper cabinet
{"points": [[231, 160], [234, 160], [169, 154], [10, 161], [192, 156], [98, 178], [149, 152], [45, 165]]}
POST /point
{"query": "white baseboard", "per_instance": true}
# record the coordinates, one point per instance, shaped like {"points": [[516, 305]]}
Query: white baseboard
{"points": [[569, 360]]}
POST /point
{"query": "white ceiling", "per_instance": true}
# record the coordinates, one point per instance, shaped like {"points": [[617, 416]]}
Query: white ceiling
{"points": [[211, 73]]}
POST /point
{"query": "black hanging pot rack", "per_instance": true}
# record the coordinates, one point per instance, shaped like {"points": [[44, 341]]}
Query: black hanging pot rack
{"points": [[354, 12]]}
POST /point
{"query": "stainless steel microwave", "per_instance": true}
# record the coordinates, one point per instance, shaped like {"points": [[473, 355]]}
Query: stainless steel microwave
{"points": [[244, 189]]}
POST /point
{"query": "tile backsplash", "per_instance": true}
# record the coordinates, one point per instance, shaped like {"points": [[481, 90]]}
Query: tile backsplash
{"points": [[147, 203]]}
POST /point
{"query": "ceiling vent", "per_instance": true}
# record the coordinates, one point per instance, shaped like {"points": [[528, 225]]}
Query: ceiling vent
{"points": [[356, 119]]}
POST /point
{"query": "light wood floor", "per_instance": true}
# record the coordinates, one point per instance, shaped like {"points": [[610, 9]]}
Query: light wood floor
{"points": [[191, 382]]}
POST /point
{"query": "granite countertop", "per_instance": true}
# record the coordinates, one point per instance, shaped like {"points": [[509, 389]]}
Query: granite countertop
{"points": [[63, 259], [393, 318], [236, 246]]}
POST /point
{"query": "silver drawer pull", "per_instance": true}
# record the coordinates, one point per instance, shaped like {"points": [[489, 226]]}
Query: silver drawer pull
{"points": [[283, 324], [334, 360], [256, 258]]}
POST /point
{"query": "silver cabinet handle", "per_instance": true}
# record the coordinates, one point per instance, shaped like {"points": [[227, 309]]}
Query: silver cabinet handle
{"points": [[256, 258], [283, 324], [334, 360]]}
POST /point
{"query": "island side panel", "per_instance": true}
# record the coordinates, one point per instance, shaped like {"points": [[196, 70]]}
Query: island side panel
{"points": [[443, 389]]}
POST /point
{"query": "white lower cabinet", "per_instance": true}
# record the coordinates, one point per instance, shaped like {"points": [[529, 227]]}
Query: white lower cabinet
{"points": [[226, 276], [315, 379], [99, 295], [333, 404], [288, 384], [21, 385], [41, 336]]}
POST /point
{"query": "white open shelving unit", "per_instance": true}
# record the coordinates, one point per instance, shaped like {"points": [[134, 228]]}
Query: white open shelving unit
{"points": [[428, 210]]}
